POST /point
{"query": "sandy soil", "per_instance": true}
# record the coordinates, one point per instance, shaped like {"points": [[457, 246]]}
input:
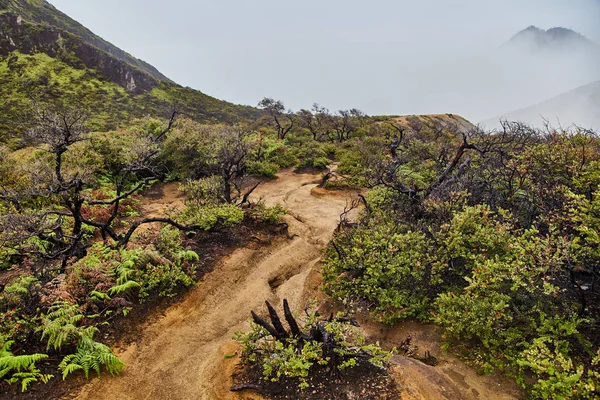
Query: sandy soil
{"points": [[183, 354]]}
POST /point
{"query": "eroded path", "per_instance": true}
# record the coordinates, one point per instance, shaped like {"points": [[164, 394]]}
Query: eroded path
{"points": [[183, 354], [180, 356]]}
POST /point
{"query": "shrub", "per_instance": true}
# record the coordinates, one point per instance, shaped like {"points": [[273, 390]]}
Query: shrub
{"points": [[334, 343], [261, 168], [270, 215], [212, 217], [386, 265]]}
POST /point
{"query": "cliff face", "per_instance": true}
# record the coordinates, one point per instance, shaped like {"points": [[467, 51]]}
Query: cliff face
{"points": [[16, 34]]}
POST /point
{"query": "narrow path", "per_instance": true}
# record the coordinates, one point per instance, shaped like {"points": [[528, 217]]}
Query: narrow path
{"points": [[181, 355]]}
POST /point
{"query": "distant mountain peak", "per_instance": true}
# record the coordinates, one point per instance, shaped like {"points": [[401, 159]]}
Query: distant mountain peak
{"points": [[538, 39]]}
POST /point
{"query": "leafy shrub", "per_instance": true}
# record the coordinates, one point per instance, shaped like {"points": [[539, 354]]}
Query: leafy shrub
{"points": [[212, 217], [337, 345], [270, 215], [549, 359], [385, 265], [149, 271], [261, 168], [204, 191], [169, 241]]}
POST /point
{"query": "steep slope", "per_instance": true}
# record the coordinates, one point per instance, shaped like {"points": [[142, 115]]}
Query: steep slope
{"points": [[47, 57], [42, 12], [579, 107]]}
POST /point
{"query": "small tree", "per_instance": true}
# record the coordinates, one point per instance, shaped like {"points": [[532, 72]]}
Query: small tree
{"points": [[282, 120], [346, 122], [54, 222], [318, 121]]}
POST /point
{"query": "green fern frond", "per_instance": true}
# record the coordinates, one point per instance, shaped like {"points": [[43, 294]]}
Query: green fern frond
{"points": [[25, 382], [188, 255], [61, 325], [91, 356], [68, 369], [96, 295], [123, 287], [22, 367]]}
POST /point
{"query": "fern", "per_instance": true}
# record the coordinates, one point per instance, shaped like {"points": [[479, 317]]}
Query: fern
{"points": [[21, 368], [91, 355], [123, 271], [60, 325], [96, 295], [21, 287], [123, 287], [188, 255]]}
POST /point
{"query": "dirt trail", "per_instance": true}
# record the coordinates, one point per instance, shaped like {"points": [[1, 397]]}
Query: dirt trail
{"points": [[183, 354]]}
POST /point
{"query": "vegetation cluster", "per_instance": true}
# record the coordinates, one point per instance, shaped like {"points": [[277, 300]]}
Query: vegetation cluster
{"points": [[492, 235]]}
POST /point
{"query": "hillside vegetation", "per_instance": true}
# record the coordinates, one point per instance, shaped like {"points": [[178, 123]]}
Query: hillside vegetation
{"points": [[46, 57], [492, 235]]}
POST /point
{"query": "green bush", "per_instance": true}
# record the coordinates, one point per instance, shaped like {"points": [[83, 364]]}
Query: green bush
{"points": [[211, 217], [385, 265], [261, 168], [270, 215], [296, 358]]}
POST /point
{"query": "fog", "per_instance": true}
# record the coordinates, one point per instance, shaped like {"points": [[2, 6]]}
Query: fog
{"points": [[384, 57]]}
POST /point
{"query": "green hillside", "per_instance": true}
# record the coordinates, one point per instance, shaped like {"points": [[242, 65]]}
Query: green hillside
{"points": [[45, 56]]}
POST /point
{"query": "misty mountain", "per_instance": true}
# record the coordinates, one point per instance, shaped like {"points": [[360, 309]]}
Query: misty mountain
{"points": [[537, 40], [579, 107], [553, 69], [531, 67], [47, 56]]}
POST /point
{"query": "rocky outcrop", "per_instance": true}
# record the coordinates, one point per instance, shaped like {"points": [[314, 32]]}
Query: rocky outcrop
{"points": [[16, 34]]}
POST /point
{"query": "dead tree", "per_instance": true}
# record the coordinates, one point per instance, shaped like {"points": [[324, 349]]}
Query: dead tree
{"points": [[344, 221]]}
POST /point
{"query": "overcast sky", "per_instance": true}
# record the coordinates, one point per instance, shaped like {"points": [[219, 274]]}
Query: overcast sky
{"points": [[384, 57]]}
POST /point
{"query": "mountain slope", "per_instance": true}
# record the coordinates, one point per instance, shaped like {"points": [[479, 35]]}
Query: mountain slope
{"points": [[44, 13], [46, 56], [579, 107]]}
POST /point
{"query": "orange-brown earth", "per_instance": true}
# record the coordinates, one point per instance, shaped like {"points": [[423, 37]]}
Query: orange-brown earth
{"points": [[182, 355]]}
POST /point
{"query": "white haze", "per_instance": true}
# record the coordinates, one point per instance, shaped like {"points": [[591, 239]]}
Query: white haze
{"points": [[384, 57]]}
